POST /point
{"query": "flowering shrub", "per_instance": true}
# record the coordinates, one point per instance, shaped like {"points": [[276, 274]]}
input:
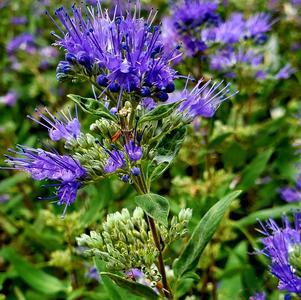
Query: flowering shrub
{"points": [[162, 139]]}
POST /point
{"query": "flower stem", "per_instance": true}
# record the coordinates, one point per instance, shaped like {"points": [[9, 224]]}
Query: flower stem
{"points": [[142, 189]]}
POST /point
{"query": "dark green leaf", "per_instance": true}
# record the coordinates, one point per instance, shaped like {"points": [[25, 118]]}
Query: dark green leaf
{"points": [[158, 113], [254, 170], [132, 286], [155, 206], [37, 279], [166, 150], [92, 106], [202, 235]]}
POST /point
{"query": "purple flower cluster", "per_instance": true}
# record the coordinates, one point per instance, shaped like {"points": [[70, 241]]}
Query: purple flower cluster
{"points": [[189, 17], [63, 127], [120, 53], [198, 26], [239, 39], [24, 41], [41, 165], [203, 100], [278, 243]]}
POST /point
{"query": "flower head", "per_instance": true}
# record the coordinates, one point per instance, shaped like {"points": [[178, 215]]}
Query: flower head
{"points": [[203, 100], [115, 161], [279, 244], [124, 52], [187, 20], [24, 41], [257, 26], [229, 32], [41, 165], [62, 127]]}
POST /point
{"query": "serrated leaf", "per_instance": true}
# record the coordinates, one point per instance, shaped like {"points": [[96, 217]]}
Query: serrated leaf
{"points": [[37, 279], [201, 236], [155, 206], [92, 106], [132, 286], [159, 112]]}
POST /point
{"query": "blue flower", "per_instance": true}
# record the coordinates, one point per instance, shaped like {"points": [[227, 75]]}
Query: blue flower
{"points": [[63, 127], [186, 22], [203, 100], [24, 41], [124, 52], [133, 150], [41, 165], [257, 26], [115, 161], [278, 244]]}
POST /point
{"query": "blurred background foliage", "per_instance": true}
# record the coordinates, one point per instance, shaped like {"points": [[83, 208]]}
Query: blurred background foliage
{"points": [[249, 145]]}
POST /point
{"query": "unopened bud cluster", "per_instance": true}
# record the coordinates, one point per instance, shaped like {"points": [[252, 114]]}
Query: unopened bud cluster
{"points": [[124, 243], [178, 226]]}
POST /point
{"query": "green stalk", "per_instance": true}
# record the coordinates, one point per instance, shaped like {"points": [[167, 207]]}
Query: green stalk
{"points": [[142, 189]]}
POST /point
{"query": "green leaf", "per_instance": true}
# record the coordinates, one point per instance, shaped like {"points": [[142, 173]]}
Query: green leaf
{"points": [[166, 150], [92, 106], [132, 286], [37, 279], [155, 206], [12, 181], [264, 214], [254, 170], [202, 235], [160, 112], [113, 291]]}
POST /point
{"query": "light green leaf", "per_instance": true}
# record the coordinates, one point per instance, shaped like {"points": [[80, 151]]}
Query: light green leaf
{"points": [[202, 235], [160, 112], [132, 286], [155, 206], [264, 214], [92, 106], [37, 279]]}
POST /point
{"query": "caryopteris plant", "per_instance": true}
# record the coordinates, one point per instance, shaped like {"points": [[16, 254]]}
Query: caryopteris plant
{"points": [[140, 122]]}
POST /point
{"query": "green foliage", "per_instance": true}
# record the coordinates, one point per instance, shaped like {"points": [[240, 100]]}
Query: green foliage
{"points": [[92, 106], [133, 287], [154, 206], [201, 236], [37, 279]]}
